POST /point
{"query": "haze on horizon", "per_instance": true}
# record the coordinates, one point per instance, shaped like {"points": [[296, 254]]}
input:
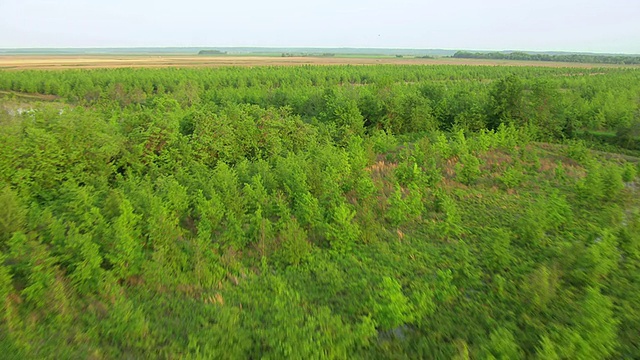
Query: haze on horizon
{"points": [[607, 26]]}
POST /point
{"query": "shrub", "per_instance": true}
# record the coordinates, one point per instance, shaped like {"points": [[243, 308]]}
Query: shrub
{"points": [[612, 183], [577, 150], [391, 308], [295, 248], [628, 172], [342, 232], [468, 169], [405, 209], [512, 177]]}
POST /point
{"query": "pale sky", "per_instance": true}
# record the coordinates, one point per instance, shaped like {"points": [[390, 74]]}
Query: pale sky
{"points": [[570, 25]]}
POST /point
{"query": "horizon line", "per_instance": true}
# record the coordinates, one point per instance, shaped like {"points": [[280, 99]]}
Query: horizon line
{"points": [[204, 47]]}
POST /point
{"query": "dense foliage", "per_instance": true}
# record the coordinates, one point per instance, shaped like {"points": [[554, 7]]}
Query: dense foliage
{"points": [[577, 58], [320, 212]]}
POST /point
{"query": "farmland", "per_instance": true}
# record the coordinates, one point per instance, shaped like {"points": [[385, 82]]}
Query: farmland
{"points": [[179, 207], [53, 62]]}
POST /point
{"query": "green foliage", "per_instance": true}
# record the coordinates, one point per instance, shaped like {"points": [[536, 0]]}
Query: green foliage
{"points": [[391, 308], [468, 169], [612, 183], [603, 255], [579, 58], [547, 350], [6, 286], [408, 172], [512, 177], [318, 212], [383, 142], [342, 233], [125, 253], [442, 147], [295, 248], [502, 345], [629, 172], [498, 256], [12, 214], [541, 287], [577, 150], [507, 105], [559, 172], [591, 187], [598, 325], [452, 223], [405, 207]]}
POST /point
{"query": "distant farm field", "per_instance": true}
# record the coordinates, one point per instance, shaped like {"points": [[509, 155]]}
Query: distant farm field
{"points": [[323, 212], [52, 62]]}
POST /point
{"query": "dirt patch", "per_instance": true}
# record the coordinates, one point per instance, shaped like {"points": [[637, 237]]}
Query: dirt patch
{"points": [[30, 97]]}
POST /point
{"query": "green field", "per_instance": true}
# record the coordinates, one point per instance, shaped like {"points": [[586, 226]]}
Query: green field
{"points": [[312, 212]]}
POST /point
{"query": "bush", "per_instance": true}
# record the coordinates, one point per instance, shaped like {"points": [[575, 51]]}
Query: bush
{"points": [[342, 232], [577, 150], [295, 248], [405, 209], [512, 177], [629, 172], [468, 169], [612, 183], [391, 308], [12, 214]]}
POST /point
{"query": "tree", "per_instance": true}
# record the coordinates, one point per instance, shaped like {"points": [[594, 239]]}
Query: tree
{"points": [[294, 247], [342, 232], [468, 169], [6, 284], [12, 214], [502, 345], [598, 324], [126, 250], [507, 104], [391, 308]]}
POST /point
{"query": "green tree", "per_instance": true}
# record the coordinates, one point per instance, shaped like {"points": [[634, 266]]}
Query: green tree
{"points": [[12, 214], [126, 252], [502, 345], [507, 103], [295, 248], [391, 308], [342, 232], [6, 284], [468, 169]]}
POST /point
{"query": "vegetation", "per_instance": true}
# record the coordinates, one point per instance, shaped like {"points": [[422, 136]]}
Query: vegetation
{"points": [[320, 212], [304, 54], [578, 58], [211, 52]]}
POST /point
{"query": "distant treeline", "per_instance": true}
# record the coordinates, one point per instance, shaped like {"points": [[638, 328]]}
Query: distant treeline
{"points": [[211, 52], [287, 54], [578, 58]]}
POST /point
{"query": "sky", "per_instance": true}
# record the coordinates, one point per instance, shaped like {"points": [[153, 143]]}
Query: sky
{"points": [[609, 26]]}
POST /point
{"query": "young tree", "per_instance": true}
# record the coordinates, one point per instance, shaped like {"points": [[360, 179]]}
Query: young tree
{"points": [[12, 214], [294, 247], [391, 308], [507, 104], [126, 253], [468, 169], [342, 232], [502, 345]]}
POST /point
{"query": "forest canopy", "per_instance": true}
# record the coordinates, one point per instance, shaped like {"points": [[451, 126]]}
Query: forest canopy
{"points": [[320, 212]]}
